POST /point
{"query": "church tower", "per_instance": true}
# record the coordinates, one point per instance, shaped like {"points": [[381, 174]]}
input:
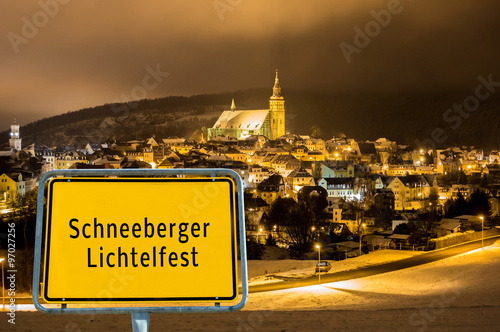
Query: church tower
{"points": [[15, 139], [277, 110]]}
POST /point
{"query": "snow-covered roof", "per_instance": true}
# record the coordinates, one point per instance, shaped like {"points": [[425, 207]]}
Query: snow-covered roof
{"points": [[348, 244], [251, 119], [175, 140], [449, 224], [398, 236], [376, 240]]}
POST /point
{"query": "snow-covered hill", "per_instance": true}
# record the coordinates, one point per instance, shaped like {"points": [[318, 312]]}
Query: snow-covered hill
{"points": [[461, 293], [470, 279]]}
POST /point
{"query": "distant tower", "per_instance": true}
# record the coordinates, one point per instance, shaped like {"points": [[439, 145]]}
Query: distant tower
{"points": [[233, 107], [15, 139], [277, 110]]}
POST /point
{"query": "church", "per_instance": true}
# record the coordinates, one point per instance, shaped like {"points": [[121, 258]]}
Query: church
{"points": [[241, 124]]}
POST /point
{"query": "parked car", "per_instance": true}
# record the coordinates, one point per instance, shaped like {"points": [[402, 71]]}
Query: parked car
{"points": [[323, 266]]}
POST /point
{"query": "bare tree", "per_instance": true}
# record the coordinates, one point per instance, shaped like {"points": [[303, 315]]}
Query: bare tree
{"points": [[298, 218], [364, 188]]}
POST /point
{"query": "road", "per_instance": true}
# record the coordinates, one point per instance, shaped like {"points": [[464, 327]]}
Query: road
{"points": [[378, 269]]}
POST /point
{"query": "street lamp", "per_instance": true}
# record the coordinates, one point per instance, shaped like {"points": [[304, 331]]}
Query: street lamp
{"points": [[3, 285], [260, 230], [360, 237], [482, 232], [319, 264]]}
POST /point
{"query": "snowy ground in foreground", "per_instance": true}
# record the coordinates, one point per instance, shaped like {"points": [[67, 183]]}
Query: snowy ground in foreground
{"points": [[464, 281], [467, 280], [289, 268], [461, 293]]}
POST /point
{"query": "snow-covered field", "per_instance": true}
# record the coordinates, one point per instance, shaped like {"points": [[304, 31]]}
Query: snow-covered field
{"points": [[470, 279], [260, 270], [461, 293]]}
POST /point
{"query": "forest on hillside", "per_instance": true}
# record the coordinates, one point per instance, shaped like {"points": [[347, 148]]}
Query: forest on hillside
{"points": [[408, 119]]}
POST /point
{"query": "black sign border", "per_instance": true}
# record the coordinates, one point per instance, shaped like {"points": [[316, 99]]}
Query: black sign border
{"points": [[232, 198]]}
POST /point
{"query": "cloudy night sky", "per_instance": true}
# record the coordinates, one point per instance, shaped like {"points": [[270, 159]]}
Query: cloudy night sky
{"points": [[88, 53]]}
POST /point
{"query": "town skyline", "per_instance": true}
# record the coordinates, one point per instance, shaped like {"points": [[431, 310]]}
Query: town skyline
{"points": [[456, 125], [326, 163], [300, 195]]}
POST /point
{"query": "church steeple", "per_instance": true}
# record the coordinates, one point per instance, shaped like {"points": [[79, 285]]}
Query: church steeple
{"points": [[277, 111], [15, 137], [277, 88], [233, 107]]}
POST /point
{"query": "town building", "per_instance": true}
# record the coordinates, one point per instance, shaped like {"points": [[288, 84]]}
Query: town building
{"points": [[271, 188], [339, 187], [410, 191], [66, 160], [42, 151], [298, 179], [241, 124]]}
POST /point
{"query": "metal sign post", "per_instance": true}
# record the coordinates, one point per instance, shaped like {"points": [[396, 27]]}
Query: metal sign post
{"points": [[140, 321], [109, 230]]}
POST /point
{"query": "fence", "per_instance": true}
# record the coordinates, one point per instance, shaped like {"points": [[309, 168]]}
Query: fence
{"points": [[457, 238]]}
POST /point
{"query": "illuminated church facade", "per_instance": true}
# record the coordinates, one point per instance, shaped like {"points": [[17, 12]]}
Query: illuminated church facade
{"points": [[241, 124]]}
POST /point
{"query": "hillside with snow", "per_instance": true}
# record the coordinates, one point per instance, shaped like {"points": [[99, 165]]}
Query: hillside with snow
{"points": [[461, 293], [469, 279]]}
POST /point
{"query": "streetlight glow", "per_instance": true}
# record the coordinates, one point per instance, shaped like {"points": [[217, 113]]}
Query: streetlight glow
{"points": [[361, 237], [482, 232], [319, 264]]}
